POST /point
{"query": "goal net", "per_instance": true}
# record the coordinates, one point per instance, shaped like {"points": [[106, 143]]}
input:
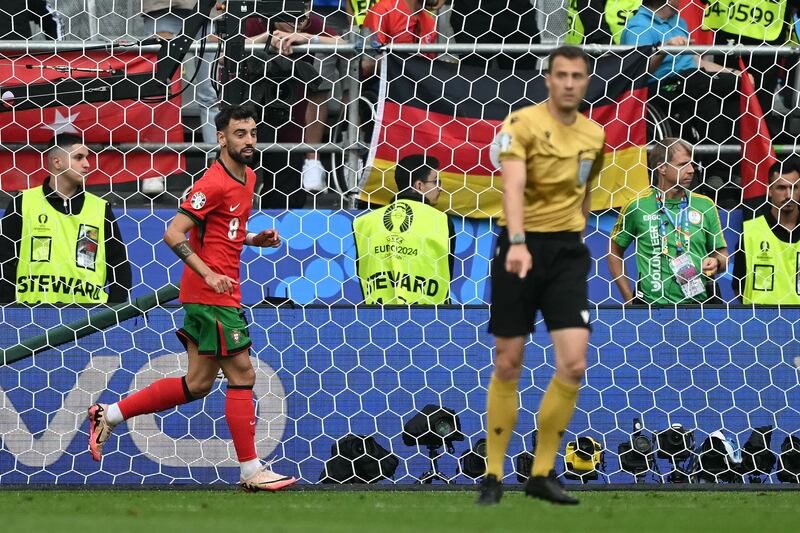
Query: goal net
{"points": [[700, 392]]}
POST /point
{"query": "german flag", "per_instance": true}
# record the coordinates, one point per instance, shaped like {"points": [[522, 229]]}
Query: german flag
{"points": [[453, 112]]}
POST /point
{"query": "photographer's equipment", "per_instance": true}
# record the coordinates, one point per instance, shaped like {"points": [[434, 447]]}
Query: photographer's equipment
{"points": [[757, 459], [235, 69], [524, 462], [676, 444], [358, 459], [583, 458], [637, 456], [109, 84], [473, 462], [717, 460], [433, 427], [789, 460]]}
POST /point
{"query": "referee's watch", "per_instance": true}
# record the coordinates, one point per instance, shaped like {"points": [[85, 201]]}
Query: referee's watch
{"points": [[517, 238]]}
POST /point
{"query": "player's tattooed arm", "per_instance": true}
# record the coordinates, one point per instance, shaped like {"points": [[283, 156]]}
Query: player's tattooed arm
{"points": [[175, 238], [183, 250]]}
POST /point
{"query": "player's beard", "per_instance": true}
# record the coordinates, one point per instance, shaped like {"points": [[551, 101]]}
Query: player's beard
{"points": [[239, 157]]}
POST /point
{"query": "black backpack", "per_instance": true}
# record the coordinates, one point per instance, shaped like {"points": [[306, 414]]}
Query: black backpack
{"points": [[358, 459]]}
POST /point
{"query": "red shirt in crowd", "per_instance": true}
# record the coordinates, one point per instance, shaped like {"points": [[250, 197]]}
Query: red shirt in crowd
{"points": [[220, 205], [392, 21]]}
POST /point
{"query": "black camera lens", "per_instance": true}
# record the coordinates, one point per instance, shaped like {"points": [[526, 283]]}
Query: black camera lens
{"points": [[585, 448], [443, 427], [642, 444], [675, 438], [480, 448]]}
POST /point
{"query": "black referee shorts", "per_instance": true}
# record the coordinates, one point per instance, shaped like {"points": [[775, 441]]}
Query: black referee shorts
{"points": [[556, 285]]}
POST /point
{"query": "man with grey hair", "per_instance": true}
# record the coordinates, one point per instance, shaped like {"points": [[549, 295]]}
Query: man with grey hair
{"points": [[679, 240]]}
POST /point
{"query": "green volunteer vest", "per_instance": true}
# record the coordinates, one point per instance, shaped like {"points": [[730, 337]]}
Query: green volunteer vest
{"points": [[617, 13], [62, 258], [757, 19], [772, 266], [403, 254], [360, 8]]}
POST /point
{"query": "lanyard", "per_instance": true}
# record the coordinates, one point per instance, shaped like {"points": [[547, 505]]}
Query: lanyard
{"points": [[681, 225]]}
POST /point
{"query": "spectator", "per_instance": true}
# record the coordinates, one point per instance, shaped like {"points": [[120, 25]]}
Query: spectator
{"points": [[399, 22], [765, 268], [764, 23], [333, 13], [59, 243], [598, 21], [313, 176], [405, 250], [686, 76], [678, 234], [357, 9], [496, 22], [165, 19], [15, 24]]}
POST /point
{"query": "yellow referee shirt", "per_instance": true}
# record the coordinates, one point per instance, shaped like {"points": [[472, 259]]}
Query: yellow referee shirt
{"points": [[561, 160]]}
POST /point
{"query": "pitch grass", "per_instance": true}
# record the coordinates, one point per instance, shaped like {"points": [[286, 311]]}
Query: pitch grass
{"points": [[173, 511]]}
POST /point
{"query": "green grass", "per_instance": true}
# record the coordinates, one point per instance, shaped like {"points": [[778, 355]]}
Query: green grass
{"points": [[320, 512]]}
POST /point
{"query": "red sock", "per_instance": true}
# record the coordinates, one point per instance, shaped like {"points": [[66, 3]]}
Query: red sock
{"points": [[159, 396], [240, 412]]}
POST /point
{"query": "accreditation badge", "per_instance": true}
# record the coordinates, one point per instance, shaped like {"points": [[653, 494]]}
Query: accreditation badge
{"points": [[686, 275], [86, 250]]}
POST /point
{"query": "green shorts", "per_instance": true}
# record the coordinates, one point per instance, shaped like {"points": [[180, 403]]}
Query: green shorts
{"points": [[216, 330]]}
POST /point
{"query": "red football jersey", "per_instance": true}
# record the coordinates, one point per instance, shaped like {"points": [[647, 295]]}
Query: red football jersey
{"points": [[220, 205]]}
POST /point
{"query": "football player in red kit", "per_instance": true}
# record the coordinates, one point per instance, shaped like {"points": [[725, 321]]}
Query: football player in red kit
{"points": [[214, 330]]}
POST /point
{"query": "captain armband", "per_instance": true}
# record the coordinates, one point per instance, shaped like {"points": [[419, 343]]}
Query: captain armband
{"points": [[183, 250]]}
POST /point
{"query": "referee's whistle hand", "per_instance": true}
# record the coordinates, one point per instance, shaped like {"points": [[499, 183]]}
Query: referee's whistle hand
{"points": [[519, 261]]}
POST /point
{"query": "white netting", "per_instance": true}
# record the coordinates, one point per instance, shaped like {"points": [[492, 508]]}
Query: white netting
{"points": [[330, 137]]}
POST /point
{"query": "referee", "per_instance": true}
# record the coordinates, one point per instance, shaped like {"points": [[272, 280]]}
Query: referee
{"points": [[551, 156]]}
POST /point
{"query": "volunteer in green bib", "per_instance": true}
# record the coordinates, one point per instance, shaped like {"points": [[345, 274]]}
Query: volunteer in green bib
{"points": [[766, 267], [678, 235], [598, 21], [405, 250], [60, 244]]}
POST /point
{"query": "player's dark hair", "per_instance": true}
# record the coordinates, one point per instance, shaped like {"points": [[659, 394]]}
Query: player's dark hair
{"points": [[787, 166], [413, 168], [234, 112], [568, 52]]}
